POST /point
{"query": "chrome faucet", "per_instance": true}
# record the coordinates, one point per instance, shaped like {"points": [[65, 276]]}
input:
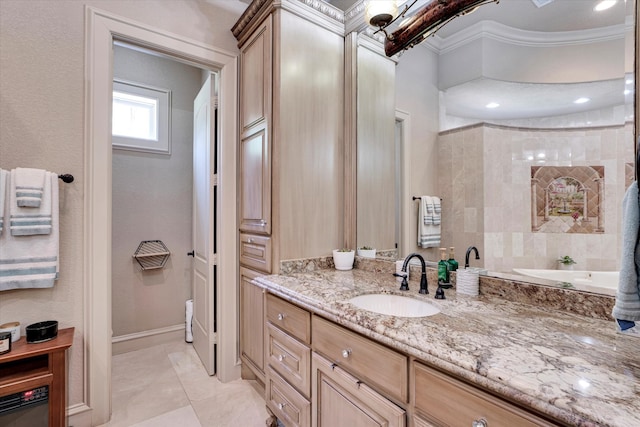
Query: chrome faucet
{"points": [[466, 257], [423, 277]]}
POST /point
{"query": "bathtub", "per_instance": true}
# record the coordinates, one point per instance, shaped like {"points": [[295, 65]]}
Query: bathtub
{"points": [[602, 282]]}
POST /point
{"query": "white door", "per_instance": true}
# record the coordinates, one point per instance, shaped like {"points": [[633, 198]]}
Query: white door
{"points": [[204, 256]]}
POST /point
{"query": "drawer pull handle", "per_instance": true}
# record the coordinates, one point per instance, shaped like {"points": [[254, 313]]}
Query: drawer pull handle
{"points": [[480, 423], [249, 240], [281, 406], [346, 353], [281, 357], [280, 316], [263, 222]]}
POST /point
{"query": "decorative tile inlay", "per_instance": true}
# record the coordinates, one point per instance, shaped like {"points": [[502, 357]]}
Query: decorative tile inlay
{"points": [[567, 199]]}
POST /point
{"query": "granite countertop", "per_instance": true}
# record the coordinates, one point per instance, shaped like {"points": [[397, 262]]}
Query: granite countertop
{"points": [[574, 368]]}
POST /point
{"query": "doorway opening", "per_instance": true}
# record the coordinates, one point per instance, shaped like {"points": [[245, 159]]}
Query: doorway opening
{"points": [[102, 30], [153, 179]]}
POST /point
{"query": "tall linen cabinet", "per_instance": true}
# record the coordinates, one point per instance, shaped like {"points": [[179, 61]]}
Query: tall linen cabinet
{"points": [[291, 151]]}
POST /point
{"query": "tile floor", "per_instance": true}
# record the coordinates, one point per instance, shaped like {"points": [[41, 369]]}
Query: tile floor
{"points": [[167, 386]]}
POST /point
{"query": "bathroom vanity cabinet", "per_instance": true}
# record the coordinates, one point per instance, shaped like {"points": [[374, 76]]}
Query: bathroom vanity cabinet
{"points": [[290, 149], [322, 374]]}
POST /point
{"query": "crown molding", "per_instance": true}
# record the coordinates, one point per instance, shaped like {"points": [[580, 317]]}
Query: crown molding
{"points": [[492, 30], [316, 11]]}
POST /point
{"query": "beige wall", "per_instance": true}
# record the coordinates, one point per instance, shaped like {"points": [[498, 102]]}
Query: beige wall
{"points": [[152, 200], [42, 57]]}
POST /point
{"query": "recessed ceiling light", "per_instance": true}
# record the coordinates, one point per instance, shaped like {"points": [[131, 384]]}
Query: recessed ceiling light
{"points": [[541, 155], [492, 105], [604, 5], [581, 100]]}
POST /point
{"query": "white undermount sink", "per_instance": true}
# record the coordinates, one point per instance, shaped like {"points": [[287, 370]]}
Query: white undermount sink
{"points": [[394, 305]]}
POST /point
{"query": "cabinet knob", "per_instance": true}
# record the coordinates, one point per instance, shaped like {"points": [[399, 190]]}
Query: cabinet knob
{"points": [[346, 353], [281, 406], [280, 316], [249, 240], [281, 357], [479, 423]]}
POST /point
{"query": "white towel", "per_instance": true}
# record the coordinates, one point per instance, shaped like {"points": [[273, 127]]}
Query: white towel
{"points": [[4, 179], [32, 261], [627, 306], [27, 221], [428, 234], [29, 187]]}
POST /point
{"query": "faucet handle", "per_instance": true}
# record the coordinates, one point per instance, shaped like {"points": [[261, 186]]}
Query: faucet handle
{"points": [[440, 291], [404, 286]]}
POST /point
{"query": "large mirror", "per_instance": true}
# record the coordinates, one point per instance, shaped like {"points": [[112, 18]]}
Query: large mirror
{"points": [[535, 141]]}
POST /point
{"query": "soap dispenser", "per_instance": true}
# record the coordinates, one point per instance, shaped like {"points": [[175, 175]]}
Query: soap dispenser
{"points": [[443, 267], [453, 264]]}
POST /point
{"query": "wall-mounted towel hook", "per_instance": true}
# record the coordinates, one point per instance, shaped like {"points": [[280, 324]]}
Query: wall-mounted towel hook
{"points": [[66, 177]]}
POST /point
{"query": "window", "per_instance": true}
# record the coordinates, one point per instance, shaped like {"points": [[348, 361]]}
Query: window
{"points": [[141, 117]]}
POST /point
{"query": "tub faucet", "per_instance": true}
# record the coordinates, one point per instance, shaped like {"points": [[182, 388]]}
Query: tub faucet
{"points": [[466, 257], [423, 277]]}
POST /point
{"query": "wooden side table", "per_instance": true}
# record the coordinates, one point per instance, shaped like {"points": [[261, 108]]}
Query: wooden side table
{"points": [[28, 366]]}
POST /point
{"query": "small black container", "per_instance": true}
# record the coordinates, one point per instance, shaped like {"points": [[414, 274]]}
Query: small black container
{"points": [[5, 342], [42, 331]]}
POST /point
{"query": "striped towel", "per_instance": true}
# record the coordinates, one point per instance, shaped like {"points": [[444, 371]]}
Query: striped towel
{"points": [[32, 261], [428, 233], [25, 221], [4, 179], [437, 211], [29, 187]]}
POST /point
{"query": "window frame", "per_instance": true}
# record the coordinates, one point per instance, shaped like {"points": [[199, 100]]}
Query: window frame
{"points": [[163, 143]]}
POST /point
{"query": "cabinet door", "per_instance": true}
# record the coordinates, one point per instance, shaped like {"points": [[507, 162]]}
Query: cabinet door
{"points": [[255, 181], [256, 77], [339, 399], [255, 131], [252, 323]]}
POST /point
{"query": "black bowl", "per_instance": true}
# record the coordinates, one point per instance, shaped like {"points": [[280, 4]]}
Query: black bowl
{"points": [[42, 331]]}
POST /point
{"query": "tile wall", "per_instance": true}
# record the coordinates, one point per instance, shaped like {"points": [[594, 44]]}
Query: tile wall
{"points": [[485, 182]]}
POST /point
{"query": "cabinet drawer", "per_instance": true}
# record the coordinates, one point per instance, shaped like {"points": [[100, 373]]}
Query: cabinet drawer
{"points": [[290, 358], [290, 318], [449, 402], [255, 251], [374, 363], [286, 403], [339, 399]]}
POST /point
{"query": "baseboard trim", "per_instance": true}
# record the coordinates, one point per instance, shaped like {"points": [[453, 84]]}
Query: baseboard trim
{"points": [[144, 339], [79, 415]]}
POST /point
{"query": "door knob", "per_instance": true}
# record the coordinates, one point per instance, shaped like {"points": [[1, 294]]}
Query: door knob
{"points": [[192, 253]]}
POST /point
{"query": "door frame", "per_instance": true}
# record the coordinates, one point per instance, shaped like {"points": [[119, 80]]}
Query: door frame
{"points": [[101, 29]]}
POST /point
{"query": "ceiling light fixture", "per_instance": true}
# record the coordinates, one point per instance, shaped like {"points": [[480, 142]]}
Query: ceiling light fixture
{"points": [[435, 15], [604, 5], [382, 13], [492, 105], [581, 100]]}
